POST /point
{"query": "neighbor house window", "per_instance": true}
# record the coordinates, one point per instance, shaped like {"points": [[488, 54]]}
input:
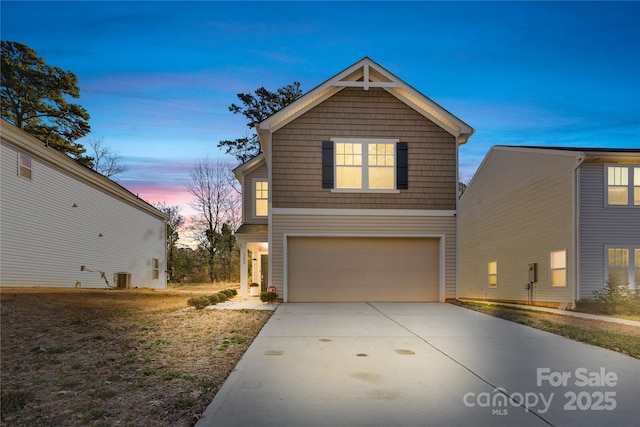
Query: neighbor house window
{"points": [[24, 165], [365, 165], [623, 185], [636, 268], [636, 186], [558, 263], [155, 268], [492, 271], [618, 266], [262, 198]]}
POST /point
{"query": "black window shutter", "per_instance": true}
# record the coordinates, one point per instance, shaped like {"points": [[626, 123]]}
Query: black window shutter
{"points": [[327, 164], [402, 168]]}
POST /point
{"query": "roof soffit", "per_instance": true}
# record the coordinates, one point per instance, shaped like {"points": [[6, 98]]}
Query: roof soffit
{"points": [[365, 74]]}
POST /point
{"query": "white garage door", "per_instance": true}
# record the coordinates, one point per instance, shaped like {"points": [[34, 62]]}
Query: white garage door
{"points": [[362, 269]]}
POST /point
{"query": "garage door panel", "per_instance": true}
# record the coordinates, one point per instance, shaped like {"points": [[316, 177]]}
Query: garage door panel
{"points": [[363, 269]]}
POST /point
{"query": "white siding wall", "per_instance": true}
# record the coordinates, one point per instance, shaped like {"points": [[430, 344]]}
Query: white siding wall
{"points": [[364, 225], [601, 226], [518, 208], [45, 240]]}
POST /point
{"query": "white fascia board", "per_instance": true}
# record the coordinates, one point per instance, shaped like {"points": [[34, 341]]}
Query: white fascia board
{"points": [[433, 112], [362, 69], [247, 166], [58, 160]]}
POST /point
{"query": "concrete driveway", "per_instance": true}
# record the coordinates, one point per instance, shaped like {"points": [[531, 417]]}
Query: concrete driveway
{"points": [[420, 364]]}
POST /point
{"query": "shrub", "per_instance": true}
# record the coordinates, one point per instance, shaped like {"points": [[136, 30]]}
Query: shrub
{"points": [[234, 292], [213, 299], [268, 297], [198, 302], [613, 298], [228, 293], [222, 296]]}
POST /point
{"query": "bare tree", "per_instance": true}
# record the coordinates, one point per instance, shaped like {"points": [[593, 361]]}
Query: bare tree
{"points": [[215, 201], [105, 161], [174, 223]]}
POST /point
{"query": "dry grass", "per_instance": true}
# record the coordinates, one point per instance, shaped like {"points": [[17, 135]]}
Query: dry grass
{"points": [[624, 339], [78, 357]]}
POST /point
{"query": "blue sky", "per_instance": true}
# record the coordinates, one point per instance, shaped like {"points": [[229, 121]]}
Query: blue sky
{"points": [[158, 77]]}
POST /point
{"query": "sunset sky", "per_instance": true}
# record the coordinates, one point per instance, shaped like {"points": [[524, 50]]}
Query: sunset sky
{"points": [[157, 77]]}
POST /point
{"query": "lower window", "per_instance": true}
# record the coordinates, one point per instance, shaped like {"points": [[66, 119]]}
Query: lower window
{"points": [[623, 266], [558, 263]]}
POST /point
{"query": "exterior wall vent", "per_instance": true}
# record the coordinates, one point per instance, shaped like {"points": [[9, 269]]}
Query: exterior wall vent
{"points": [[122, 280]]}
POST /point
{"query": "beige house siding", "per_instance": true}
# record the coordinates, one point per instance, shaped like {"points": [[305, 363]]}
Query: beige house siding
{"points": [[66, 217], [297, 150], [248, 212], [602, 226], [372, 225], [518, 208]]}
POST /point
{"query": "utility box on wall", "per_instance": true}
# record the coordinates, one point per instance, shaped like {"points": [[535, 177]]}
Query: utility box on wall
{"points": [[533, 272], [122, 280]]}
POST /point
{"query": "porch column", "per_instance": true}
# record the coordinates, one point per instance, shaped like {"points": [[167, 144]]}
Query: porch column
{"points": [[244, 270]]}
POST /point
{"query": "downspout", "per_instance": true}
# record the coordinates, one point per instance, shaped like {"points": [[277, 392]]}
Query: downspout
{"points": [[456, 217], [576, 226]]}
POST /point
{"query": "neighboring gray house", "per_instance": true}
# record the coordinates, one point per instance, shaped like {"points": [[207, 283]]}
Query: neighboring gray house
{"points": [[64, 225], [355, 196], [549, 226]]}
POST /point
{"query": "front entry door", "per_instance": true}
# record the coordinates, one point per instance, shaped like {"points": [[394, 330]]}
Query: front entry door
{"points": [[264, 272]]}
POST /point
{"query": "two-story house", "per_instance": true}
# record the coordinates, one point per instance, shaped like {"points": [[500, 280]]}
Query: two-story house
{"points": [[65, 225], [354, 197], [549, 226]]}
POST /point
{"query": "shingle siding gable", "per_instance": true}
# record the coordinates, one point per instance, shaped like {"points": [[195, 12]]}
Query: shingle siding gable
{"points": [[297, 154]]}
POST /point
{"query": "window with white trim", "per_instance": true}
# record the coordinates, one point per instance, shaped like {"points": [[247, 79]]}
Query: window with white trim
{"points": [[623, 185], [636, 186], [558, 268], [24, 165], [492, 274], [368, 165], [261, 200], [636, 267], [623, 265], [155, 268]]}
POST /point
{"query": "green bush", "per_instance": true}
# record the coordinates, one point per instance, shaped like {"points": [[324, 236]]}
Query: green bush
{"points": [[268, 297], [614, 298], [223, 297], [198, 302], [234, 292], [228, 293], [213, 299]]}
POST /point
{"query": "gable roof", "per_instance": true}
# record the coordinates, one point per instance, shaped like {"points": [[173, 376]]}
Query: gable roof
{"points": [[365, 74], [29, 144], [248, 166], [591, 154]]}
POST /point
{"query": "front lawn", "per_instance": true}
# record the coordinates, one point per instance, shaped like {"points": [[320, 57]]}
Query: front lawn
{"points": [[613, 336]]}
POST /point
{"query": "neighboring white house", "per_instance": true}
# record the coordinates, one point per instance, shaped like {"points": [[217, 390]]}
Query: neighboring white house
{"points": [[550, 226], [64, 225]]}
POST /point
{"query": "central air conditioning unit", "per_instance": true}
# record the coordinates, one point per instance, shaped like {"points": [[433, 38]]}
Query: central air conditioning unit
{"points": [[122, 280]]}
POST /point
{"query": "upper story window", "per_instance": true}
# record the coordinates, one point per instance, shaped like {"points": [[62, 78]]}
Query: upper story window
{"points": [[558, 264], [365, 165], [24, 165], [623, 185], [261, 198]]}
